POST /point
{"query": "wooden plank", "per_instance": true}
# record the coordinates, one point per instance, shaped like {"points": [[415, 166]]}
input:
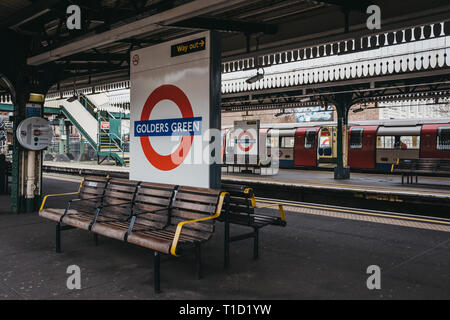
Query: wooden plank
{"points": [[196, 197], [155, 192], [207, 226], [119, 187], [124, 196], [123, 181], [157, 185], [152, 200], [199, 190], [188, 215], [194, 206]]}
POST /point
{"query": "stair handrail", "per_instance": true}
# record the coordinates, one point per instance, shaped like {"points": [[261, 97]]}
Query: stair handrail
{"points": [[109, 134], [90, 107]]}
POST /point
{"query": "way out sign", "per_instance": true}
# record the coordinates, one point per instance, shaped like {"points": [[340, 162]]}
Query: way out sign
{"points": [[175, 100]]}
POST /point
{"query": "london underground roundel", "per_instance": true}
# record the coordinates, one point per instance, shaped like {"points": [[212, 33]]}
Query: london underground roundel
{"points": [[245, 141], [171, 161]]}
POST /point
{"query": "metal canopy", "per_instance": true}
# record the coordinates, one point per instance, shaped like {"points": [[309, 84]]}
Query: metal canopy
{"points": [[111, 29]]}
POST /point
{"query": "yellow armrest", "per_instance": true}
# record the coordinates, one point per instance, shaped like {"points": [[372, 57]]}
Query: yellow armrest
{"points": [[60, 194], [173, 248], [253, 201]]}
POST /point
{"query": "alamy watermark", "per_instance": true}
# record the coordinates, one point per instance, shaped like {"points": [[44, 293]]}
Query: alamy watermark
{"points": [[74, 280], [73, 21], [374, 280], [374, 20]]}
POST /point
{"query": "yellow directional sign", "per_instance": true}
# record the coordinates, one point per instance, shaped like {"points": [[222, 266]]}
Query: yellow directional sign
{"points": [[188, 47]]}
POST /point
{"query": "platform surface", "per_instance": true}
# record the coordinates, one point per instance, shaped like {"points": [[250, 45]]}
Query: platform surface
{"points": [[314, 257]]}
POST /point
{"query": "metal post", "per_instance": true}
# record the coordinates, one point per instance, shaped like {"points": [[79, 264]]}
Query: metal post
{"points": [[256, 244], [226, 250], [30, 180], [58, 238], [343, 103], [156, 272], [61, 135], [198, 261]]}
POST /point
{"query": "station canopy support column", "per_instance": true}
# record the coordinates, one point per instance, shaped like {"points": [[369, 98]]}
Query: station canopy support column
{"points": [[342, 102], [26, 84]]}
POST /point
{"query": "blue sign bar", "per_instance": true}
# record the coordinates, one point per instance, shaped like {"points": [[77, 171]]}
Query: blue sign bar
{"points": [[168, 127]]}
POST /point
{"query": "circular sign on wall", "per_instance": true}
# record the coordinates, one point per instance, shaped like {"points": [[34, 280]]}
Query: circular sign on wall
{"points": [[173, 160], [34, 133], [245, 141]]}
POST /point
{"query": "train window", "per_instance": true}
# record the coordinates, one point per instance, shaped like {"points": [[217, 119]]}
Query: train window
{"points": [[386, 142], [409, 142], [356, 138], [310, 139], [398, 142], [443, 138], [287, 142]]}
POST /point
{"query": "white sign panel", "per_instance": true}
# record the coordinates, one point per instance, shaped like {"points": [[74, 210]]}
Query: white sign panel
{"points": [[246, 141], [174, 102]]}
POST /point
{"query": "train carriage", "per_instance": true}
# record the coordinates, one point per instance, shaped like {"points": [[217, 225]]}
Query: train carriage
{"points": [[372, 145], [435, 141]]}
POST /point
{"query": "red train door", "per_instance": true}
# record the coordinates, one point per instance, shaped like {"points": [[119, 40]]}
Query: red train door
{"points": [[361, 147], [435, 141], [305, 147]]}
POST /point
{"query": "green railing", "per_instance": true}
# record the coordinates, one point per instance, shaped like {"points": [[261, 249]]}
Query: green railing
{"points": [[114, 142]]}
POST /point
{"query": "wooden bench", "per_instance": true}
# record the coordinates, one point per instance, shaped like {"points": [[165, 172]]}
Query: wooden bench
{"points": [[411, 168], [242, 211], [168, 219]]}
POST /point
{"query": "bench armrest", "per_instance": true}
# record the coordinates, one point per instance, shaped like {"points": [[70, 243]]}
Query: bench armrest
{"points": [[253, 201], [60, 195], [280, 208], [180, 225]]}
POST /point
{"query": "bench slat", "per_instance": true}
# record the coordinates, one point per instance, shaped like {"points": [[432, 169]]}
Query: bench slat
{"points": [[203, 208]]}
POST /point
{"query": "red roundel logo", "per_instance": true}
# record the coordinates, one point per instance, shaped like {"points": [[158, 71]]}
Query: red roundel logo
{"points": [[171, 161], [135, 60], [245, 134]]}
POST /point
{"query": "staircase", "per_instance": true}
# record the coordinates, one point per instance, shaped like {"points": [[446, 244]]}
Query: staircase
{"points": [[112, 148], [86, 117]]}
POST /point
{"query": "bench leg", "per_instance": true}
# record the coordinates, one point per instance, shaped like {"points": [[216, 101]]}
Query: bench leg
{"points": [[156, 271], [198, 261], [58, 237], [96, 239], [256, 244]]}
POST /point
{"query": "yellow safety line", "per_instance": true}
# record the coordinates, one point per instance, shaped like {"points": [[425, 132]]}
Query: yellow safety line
{"points": [[353, 211]]}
